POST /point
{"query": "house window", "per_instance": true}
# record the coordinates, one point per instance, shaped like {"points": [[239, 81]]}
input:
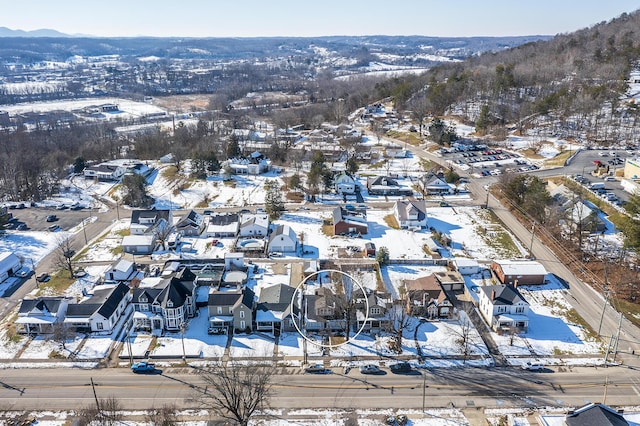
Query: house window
{"points": [[100, 326], [231, 310], [519, 309], [241, 314], [375, 311], [220, 310]]}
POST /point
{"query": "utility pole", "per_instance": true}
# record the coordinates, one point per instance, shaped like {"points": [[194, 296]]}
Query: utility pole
{"points": [[533, 233], [604, 307]]}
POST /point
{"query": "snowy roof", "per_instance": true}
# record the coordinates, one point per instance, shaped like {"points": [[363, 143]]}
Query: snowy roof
{"points": [[521, 267], [466, 263], [138, 240], [8, 260]]}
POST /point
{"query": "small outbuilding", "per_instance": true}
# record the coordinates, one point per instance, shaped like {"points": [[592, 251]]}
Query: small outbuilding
{"points": [[519, 272]]}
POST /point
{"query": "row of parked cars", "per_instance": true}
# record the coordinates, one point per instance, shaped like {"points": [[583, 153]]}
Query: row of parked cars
{"points": [[401, 367]]}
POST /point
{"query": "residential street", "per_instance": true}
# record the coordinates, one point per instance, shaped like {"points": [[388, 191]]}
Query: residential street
{"points": [[63, 389]]}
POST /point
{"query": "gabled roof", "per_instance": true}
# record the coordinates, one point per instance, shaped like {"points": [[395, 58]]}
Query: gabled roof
{"points": [[40, 306], [232, 298], [407, 207], [595, 415], [223, 218], [8, 260], [122, 265], [104, 301], [283, 230], [249, 219], [277, 298], [505, 294], [382, 181], [136, 215], [192, 219]]}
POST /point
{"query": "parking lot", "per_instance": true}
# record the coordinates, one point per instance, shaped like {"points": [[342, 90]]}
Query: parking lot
{"points": [[487, 162], [35, 218]]}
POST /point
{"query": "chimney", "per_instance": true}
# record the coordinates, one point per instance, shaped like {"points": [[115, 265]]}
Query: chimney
{"points": [[515, 284], [493, 295]]}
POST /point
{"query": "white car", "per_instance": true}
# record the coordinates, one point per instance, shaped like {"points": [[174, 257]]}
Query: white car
{"points": [[532, 366]]}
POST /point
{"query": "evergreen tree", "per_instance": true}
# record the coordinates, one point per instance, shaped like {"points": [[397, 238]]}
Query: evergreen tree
{"points": [[273, 202], [135, 187]]}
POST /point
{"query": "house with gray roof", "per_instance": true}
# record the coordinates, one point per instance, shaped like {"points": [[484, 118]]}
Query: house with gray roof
{"points": [[40, 316], [231, 311], [349, 222], [191, 225], [283, 239], [503, 308], [596, 414], [274, 312], [165, 303], [385, 185], [103, 312], [411, 214], [223, 225], [519, 271]]}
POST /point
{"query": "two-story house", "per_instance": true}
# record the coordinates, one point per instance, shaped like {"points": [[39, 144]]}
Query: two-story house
{"points": [[411, 214], [275, 312], [231, 311], [41, 315], [372, 310], [103, 312], [503, 308], [165, 303], [145, 227], [425, 297], [254, 225], [345, 184], [191, 224]]}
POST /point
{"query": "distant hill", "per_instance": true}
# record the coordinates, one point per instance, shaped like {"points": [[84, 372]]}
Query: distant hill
{"points": [[565, 80], [7, 32]]}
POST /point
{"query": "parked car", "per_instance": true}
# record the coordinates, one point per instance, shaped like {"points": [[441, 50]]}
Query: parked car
{"points": [[143, 367], [43, 278], [22, 227], [54, 228], [532, 366], [400, 367], [52, 218], [317, 369], [23, 273], [371, 369]]}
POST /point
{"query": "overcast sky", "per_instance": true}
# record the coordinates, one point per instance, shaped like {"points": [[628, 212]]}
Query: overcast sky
{"points": [[253, 18]]}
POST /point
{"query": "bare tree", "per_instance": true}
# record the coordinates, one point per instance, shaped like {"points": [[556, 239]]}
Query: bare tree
{"points": [[106, 412], [463, 339], [235, 392], [62, 333], [163, 230], [163, 416], [399, 320], [63, 254]]}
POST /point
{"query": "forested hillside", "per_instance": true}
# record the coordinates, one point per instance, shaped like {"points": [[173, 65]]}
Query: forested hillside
{"points": [[571, 84]]}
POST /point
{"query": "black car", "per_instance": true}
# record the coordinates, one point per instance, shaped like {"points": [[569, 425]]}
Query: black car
{"points": [[400, 367], [52, 218], [43, 278]]}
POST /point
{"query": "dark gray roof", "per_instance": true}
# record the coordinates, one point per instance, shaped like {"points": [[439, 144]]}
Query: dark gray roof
{"points": [[189, 220], [51, 304], [383, 181], [505, 294], [276, 298], [136, 215], [231, 298], [104, 301], [223, 218], [595, 415]]}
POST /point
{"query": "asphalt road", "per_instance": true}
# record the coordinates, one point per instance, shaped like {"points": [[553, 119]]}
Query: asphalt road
{"points": [[63, 389]]}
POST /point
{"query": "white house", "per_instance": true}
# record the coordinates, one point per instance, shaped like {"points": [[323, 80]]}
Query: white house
{"points": [[411, 213], [254, 225], [283, 240], [105, 172], [9, 264], [503, 308], [40, 316], [101, 312], [435, 186], [344, 183], [122, 270], [146, 221], [467, 266], [139, 244]]}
